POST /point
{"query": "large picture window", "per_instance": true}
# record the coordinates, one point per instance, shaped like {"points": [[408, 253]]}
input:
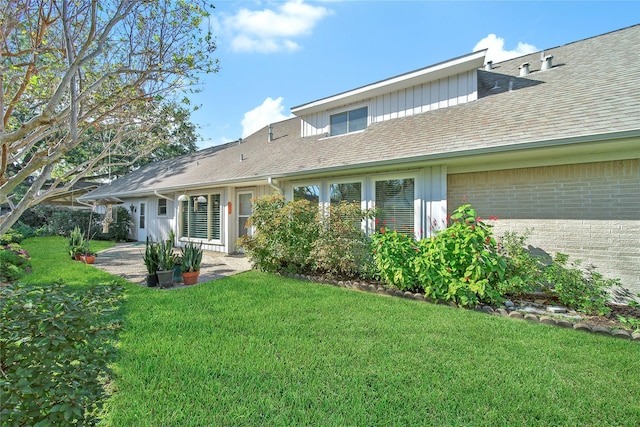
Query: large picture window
{"points": [[394, 204], [201, 217], [349, 121]]}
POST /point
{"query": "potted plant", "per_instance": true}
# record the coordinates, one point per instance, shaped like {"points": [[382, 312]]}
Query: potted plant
{"points": [[166, 262], [76, 243], [177, 269], [88, 256], [191, 260], [151, 262]]}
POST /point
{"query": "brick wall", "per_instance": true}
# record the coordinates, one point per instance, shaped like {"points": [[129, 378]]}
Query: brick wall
{"points": [[590, 211]]}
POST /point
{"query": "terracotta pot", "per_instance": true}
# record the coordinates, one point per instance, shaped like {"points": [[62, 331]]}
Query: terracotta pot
{"points": [[88, 259], [78, 257], [190, 277]]}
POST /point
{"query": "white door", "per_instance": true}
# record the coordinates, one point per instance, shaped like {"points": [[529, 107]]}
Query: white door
{"points": [[244, 211], [142, 221]]}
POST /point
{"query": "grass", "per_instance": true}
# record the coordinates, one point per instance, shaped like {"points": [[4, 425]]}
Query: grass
{"points": [[257, 349], [51, 263]]}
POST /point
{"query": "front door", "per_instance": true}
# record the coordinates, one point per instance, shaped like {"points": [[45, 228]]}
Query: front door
{"points": [[244, 212], [142, 221]]}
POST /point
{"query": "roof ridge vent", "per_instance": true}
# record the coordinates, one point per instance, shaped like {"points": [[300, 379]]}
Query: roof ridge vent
{"points": [[524, 69], [547, 62]]}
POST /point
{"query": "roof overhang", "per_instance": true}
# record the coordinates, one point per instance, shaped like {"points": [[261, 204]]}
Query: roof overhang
{"points": [[438, 71]]}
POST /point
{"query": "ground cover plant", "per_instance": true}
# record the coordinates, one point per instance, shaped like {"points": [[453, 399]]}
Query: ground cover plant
{"points": [[56, 340]]}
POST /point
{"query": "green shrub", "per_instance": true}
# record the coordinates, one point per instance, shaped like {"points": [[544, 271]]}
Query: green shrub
{"points": [[60, 221], [584, 290], [54, 350], [11, 236], [461, 263], [341, 248], [394, 255], [523, 271], [284, 234], [14, 263]]}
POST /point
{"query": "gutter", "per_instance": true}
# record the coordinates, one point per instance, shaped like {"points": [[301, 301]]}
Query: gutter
{"points": [[162, 196], [272, 184], [271, 179]]}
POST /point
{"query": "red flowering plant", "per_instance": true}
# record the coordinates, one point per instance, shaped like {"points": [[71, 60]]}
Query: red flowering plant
{"points": [[461, 263]]}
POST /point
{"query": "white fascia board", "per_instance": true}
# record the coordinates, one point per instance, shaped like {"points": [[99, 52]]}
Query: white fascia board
{"points": [[424, 75]]}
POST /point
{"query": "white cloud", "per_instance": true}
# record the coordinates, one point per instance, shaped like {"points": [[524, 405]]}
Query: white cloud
{"points": [[268, 30], [497, 52], [270, 111]]}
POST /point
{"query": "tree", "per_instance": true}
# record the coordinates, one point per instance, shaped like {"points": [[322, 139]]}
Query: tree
{"points": [[97, 77]]}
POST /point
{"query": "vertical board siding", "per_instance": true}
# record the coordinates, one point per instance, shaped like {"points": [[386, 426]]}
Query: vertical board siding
{"points": [[443, 93]]}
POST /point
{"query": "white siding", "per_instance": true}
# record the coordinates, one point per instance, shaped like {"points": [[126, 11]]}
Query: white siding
{"points": [[443, 93]]}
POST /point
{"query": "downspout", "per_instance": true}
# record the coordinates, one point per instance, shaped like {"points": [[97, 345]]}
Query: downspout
{"points": [[162, 196], [272, 184]]}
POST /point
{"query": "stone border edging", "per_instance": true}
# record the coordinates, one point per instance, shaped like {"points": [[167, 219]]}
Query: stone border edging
{"points": [[502, 312]]}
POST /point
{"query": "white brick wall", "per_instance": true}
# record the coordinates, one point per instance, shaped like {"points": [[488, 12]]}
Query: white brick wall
{"points": [[590, 211]]}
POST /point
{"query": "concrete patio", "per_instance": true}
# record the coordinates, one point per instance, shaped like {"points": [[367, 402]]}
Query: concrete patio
{"points": [[125, 260]]}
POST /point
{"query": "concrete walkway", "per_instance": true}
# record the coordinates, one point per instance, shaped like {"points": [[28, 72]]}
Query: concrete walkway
{"points": [[126, 260]]}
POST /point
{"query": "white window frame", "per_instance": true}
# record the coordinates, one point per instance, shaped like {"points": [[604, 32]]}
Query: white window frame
{"points": [[166, 207], [346, 110], [208, 194], [417, 222]]}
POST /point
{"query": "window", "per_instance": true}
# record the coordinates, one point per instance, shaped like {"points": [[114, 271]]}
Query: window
{"points": [[394, 202], [347, 192], [143, 215], [201, 217], [349, 121], [307, 192], [162, 207]]}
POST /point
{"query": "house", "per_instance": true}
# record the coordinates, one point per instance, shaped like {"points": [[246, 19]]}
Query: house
{"points": [[549, 141]]}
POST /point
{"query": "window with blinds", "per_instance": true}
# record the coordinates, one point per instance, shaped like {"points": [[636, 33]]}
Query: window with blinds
{"points": [[394, 204], [201, 217]]}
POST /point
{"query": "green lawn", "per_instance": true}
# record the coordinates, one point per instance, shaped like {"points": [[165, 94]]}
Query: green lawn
{"points": [[257, 349]]}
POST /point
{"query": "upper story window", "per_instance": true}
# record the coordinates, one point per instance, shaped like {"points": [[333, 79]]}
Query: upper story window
{"points": [[162, 207], [349, 121]]}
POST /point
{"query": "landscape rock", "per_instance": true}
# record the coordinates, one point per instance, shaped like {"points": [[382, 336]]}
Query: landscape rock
{"points": [[516, 315], [564, 323], [531, 317], [621, 333], [601, 330], [548, 320], [582, 327]]}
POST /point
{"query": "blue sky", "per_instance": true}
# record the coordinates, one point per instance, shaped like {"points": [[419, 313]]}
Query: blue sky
{"points": [[275, 55]]}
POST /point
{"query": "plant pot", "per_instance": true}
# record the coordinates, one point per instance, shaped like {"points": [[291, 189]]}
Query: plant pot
{"points": [[177, 274], [152, 280], [190, 277], [165, 278], [88, 259], [78, 257]]}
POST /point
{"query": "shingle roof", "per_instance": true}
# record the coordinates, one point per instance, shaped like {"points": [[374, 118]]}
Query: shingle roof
{"points": [[592, 89]]}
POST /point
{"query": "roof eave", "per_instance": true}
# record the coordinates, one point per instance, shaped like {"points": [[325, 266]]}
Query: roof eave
{"points": [[424, 75]]}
